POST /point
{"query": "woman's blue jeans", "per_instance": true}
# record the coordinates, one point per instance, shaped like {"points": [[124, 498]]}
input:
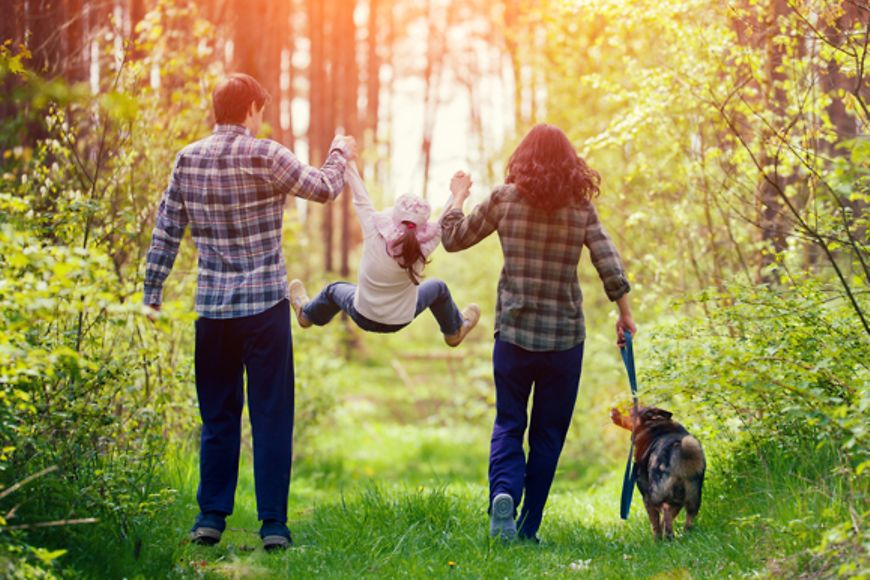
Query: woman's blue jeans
{"points": [[556, 378]]}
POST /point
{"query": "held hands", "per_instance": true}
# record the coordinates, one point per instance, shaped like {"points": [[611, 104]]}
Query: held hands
{"points": [[351, 147], [346, 144], [460, 187]]}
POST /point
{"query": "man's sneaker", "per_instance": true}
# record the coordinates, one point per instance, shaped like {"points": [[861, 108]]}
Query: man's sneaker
{"points": [[501, 518], [275, 535], [470, 316], [208, 529], [298, 299]]}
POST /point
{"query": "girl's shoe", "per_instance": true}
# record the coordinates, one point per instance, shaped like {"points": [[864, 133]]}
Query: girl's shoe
{"points": [[471, 316], [298, 299], [501, 518]]}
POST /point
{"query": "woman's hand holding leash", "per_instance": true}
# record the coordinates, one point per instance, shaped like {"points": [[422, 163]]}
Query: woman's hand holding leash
{"points": [[624, 321]]}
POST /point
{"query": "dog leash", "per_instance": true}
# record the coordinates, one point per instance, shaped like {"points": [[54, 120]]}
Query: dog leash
{"points": [[630, 477]]}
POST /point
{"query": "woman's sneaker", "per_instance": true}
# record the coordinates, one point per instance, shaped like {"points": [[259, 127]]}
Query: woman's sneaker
{"points": [[501, 518], [275, 535], [298, 299], [470, 318]]}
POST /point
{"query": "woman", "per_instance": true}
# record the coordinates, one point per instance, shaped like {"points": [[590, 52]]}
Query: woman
{"points": [[544, 216]]}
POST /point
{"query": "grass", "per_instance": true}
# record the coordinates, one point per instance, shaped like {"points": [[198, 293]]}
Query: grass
{"points": [[391, 482], [419, 511], [751, 521], [423, 532]]}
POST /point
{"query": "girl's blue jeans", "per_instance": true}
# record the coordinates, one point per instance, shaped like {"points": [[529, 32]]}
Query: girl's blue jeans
{"points": [[338, 297]]}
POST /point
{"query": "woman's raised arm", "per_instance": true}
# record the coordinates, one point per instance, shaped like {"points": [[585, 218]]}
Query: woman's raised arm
{"points": [[458, 231]]}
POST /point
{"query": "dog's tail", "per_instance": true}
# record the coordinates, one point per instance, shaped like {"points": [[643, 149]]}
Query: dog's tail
{"points": [[691, 457]]}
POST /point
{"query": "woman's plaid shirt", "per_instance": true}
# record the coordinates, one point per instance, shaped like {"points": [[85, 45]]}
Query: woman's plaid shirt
{"points": [[230, 189], [540, 305]]}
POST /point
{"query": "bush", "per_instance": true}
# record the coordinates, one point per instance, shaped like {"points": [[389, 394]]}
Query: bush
{"points": [[89, 388], [776, 373]]}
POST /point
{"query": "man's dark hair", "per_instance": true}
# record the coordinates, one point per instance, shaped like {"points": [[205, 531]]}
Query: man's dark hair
{"points": [[232, 98]]}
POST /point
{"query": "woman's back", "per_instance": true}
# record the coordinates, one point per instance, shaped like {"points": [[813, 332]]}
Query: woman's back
{"points": [[539, 305], [539, 302]]}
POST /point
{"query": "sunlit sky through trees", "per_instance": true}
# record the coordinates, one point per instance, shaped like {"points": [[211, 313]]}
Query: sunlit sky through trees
{"points": [[467, 65]]}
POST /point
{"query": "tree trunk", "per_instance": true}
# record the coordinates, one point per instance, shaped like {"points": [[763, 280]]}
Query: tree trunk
{"points": [[10, 29], [137, 14], [10, 24], [373, 81], [511, 24], [770, 185], [75, 43], [44, 21], [320, 17], [435, 56], [348, 75]]}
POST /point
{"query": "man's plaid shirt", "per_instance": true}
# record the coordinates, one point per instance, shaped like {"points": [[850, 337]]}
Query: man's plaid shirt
{"points": [[539, 306], [230, 188]]}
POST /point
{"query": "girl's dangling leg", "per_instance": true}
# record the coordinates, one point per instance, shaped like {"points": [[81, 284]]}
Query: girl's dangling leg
{"points": [[334, 298], [455, 325]]}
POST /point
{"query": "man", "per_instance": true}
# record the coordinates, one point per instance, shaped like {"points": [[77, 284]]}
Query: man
{"points": [[230, 188]]}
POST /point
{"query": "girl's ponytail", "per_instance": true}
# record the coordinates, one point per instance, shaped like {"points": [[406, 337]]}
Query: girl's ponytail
{"points": [[408, 253]]}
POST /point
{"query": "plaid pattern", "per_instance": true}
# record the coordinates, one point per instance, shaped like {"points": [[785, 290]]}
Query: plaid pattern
{"points": [[540, 306], [230, 188]]}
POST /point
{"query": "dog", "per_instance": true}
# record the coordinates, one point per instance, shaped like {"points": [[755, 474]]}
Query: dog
{"points": [[670, 467]]}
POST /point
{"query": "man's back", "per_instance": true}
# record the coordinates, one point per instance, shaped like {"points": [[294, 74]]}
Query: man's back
{"points": [[230, 188]]}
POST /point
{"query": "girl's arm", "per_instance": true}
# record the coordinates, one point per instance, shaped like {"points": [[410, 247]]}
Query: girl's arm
{"points": [[361, 202]]}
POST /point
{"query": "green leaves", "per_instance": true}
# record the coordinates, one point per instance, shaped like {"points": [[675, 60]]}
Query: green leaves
{"points": [[784, 364], [47, 557], [120, 106], [13, 62]]}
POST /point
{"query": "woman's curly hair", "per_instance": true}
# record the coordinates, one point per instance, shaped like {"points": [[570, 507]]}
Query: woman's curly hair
{"points": [[548, 172]]}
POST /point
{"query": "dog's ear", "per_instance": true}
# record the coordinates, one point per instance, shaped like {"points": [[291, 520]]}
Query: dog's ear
{"points": [[656, 414]]}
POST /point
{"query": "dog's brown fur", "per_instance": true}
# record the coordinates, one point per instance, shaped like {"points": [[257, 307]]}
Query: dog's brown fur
{"points": [[670, 465]]}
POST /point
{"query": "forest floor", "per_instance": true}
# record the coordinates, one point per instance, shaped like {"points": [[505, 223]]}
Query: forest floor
{"points": [[389, 489]]}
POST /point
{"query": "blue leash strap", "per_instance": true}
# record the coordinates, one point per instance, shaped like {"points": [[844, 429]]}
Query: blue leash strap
{"points": [[630, 476]]}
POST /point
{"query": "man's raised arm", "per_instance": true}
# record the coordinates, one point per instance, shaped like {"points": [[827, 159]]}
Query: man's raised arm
{"points": [[292, 177]]}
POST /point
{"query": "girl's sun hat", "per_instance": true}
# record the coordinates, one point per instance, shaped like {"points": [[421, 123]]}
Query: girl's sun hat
{"points": [[409, 213]]}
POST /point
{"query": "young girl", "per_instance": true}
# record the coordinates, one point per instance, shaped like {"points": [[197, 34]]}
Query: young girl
{"points": [[389, 294]]}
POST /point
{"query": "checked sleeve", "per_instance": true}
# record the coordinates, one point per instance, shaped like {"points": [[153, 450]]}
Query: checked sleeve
{"points": [[169, 228], [605, 258], [292, 177], [459, 232]]}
